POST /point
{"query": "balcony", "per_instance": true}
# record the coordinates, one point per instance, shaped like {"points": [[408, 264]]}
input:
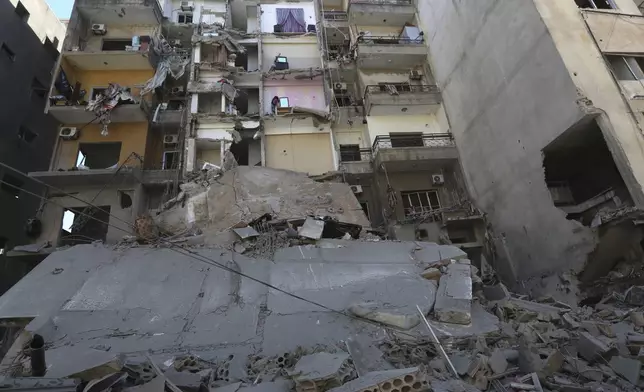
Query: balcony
{"points": [[398, 99], [111, 60], [336, 26], [121, 12], [356, 162], [390, 52], [381, 12], [124, 113], [414, 151]]}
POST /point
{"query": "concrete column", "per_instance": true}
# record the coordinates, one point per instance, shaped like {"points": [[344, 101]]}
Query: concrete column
{"points": [[263, 149], [194, 103], [334, 151], [196, 57], [191, 155]]}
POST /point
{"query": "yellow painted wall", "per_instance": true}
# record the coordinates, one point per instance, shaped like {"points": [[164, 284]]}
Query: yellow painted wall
{"points": [[352, 136], [431, 123], [299, 55], [308, 153], [90, 79], [131, 135]]}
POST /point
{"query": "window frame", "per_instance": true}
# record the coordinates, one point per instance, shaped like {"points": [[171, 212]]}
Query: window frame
{"points": [[185, 15], [410, 211], [350, 150]]}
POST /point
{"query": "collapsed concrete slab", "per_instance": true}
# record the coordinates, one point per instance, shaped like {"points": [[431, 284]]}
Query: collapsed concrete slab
{"points": [[454, 297], [246, 193]]}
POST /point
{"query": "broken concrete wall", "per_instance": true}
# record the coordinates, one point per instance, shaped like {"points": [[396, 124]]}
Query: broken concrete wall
{"points": [[245, 193], [507, 94]]}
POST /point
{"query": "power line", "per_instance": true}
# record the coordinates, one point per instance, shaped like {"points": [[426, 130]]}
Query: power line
{"points": [[174, 247]]}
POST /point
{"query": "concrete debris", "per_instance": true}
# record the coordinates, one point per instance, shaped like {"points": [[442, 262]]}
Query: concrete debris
{"points": [[454, 296], [321, 371], [627, 367], [410, 379], [312, 228], [366, 356]]}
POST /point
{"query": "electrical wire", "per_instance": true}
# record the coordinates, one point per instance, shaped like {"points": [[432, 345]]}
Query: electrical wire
{"points": [[186, 252]]}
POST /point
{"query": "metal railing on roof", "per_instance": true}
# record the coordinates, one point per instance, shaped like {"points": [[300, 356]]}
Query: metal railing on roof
{"points": [[399, 89], [389, 40], [335, 15], [413, 140]]}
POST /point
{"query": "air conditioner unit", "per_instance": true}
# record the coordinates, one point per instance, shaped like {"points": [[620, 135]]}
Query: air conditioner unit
{"points": [[178, 90], [99, 29], [68, 133], [356, 188], [340, 87], [416, 75], [187, 5], [438, 179], [171, 139]]}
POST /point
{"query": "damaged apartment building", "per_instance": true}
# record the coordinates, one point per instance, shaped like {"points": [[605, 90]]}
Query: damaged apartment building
{"points": [[150, 93]]}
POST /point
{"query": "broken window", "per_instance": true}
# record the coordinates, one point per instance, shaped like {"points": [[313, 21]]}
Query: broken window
{"points": [[26, 135], [240, 151], [581, 174], [84, 225], [597, 4], [22, 12], [11, 185], [406, 139], [626, 67], [349, 153], [7, 52], [170, 160], [116, 44], [419, 202], [98, 155], [184, 17]]}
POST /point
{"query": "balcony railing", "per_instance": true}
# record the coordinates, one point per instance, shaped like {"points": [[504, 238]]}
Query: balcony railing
{"points": [[389, 40], [362, 155], [335, 15], [415, 140], [383, 2], [399, 89]]}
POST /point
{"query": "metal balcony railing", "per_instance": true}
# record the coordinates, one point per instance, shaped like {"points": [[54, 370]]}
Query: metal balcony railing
{"points": [[399, 89], [413, 140], [335, 15], [362, 155], [383, 2], [389, 40]]}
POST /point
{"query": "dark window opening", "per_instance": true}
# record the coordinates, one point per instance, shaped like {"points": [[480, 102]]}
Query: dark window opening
{"points": [[240, 151], [22, 12], [84, 225], [11, 185], [125, 200], [184, 17], [365, 208], [98, 155], [422, 234], [116, 44], [26, 135], [96, 91], [406, 139], [38, 88], [6, 51], [350, 153], [241, 61], [170, 160], [419, 202], [597, 4], [344, 100], [626, 67], [581, 174]]}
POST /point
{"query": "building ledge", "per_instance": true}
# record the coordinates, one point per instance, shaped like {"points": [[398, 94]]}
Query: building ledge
{"points": [[116, 60], [77, 114], [100, 177], [381, 100], [127, 12], [411, 152]]}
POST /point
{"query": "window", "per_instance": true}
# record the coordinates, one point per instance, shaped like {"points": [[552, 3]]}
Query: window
{"points": [[170, 160], [96, 91], [291, 20], [184, 17], [11, 185], [406, 139], [26, 135], [626, 67], [419, 202], [38, 88], [116, 44], [22, 12], [98, 155], [349, 153], [597, 4], [6, 51]]}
